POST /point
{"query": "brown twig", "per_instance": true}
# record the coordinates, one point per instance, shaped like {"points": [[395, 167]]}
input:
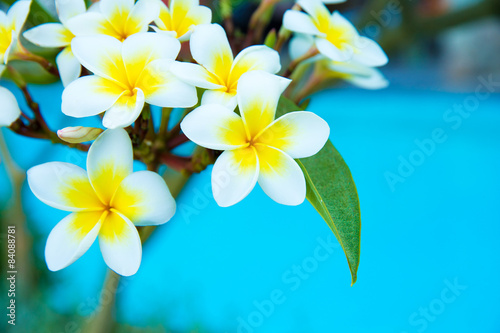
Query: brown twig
{"points": [[293, 65]]}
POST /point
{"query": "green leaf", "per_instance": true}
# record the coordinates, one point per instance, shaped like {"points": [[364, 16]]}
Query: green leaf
{"points": [[332, 192]]}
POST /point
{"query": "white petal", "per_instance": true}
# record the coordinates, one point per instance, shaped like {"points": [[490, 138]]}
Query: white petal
{"points": [[163, 89], [299, 134], [210, 48], [220, 97], [163, 19], [63, 186], [341, 22], [197, 15], [18, 13], [299, 45], [11, 48], [143, 13], [215, 127], [71, 238], [120, 244], [67, 9], [4, 20], [109, 162], [234, 175], [69, 67], [319, 12], [100, 54], [300, 22], [351, 68], [195, 75], [369, 53], [89, 95], [142, 48], [166, 32], [115, 9], [125, 111], [280, 176], [257, 57], [182, 6], [90, 23], [375, 80], [258, 95], [144, 198], [49, 35], [332, 52], [9, 111]]}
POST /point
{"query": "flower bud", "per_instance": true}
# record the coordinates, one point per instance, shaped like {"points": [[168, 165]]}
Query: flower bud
{"points": [[78, 134]]}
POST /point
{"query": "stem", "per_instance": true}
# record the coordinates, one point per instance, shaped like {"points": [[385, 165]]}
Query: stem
{"points": [[24, 54], [293, 65], [102, 322], [297, 77], [259, 21], [284, 34], [308, 89], [177, 128], [20, 128], [177, 141], [178, 163], [165, 119], [36, 109]]}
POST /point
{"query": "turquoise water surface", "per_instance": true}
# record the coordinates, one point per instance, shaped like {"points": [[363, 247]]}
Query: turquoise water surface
{"points": [[428, 181]]}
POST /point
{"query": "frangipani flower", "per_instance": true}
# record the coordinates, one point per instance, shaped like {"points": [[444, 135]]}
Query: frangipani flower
{"points": [[335, 37], [257, 147], [125, 76], [108, 203], [9, 109], [217, 70], [181, 17], [357, 74], [116, 18], [11, 25], [59, 35]]}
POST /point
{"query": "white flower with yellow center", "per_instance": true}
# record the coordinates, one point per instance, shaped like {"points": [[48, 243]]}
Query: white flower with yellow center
{"points": [[11, 25], [218, 71], [357, 74], [60, 35], [257, 147], [117, 18], [108, 203], [181, 17], [126, 75], [9, 109], [335, 37]]}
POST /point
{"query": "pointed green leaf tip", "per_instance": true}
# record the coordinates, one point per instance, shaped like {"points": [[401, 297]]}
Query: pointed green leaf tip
{"points": [[332, 192]]}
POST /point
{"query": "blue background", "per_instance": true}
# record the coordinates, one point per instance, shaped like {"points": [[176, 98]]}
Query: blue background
{"points": [[220, 268]]}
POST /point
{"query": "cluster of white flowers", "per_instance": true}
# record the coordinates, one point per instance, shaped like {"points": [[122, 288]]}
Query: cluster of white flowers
{"points": [[131, 66], [343, 52]]}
